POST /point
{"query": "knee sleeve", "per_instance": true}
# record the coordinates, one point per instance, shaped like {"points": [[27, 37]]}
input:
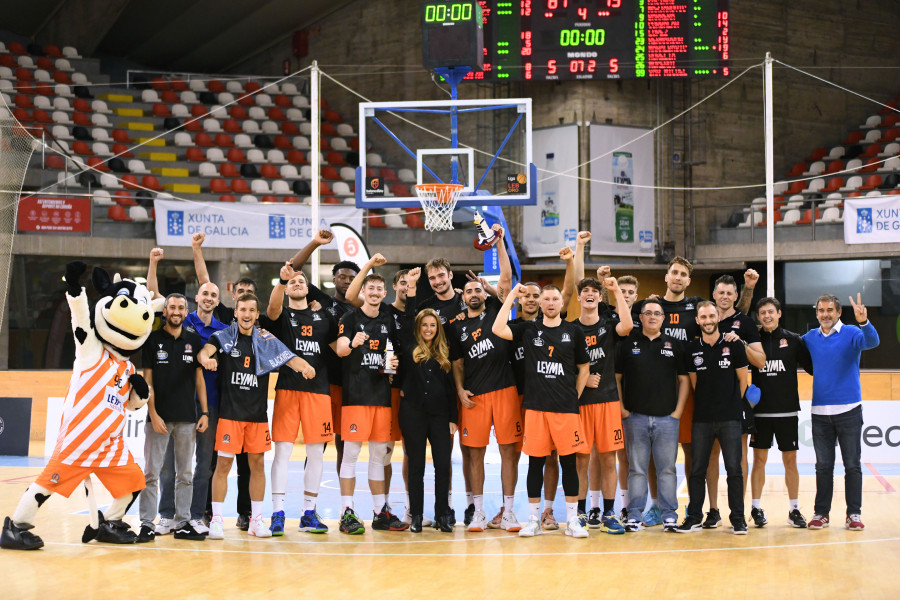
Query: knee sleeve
{"points": [[377, 452], [351, 455], [389, 453], [535, 480], [226, 454], [312, 475], [569, 468], [283, 452]]}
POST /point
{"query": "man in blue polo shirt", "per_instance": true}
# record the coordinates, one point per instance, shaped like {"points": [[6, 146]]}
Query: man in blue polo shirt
{"points": [[837, 404]]}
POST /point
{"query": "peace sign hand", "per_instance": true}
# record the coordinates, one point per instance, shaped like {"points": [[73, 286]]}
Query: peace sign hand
{"points": [[859, 309]]}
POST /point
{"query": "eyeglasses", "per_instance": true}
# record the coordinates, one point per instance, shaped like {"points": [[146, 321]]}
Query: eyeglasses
{"points": [[656, 313]]}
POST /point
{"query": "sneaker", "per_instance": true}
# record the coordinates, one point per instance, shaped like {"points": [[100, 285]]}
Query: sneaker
{"points": [[548, 521], [533, 527], [609, 523], [187, 532], [713, 518], [854, 523], [796, 519], [216, 528], [653, 516], [451, 518], [759, 517], [818, 522], [426, 522], [496, 521], [277, 526], [575, 529], [623, 514], [388, 521], [258, 527], [243, 522], [115, 532], [199, 526], [689, 525], [739, 527], [310, 522], [583, 519], [510, 522], [633, 525], [407, 516], [594, 518], [146, 534], [350, 523], [670, 526], [469, 515], [165, 526], [478, 522], [19, 538]]}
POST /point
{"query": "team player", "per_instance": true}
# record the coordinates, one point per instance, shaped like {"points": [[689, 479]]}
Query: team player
{"points": [[363, 336], [556, 371], [244, 356], [777, 413], [300, 401], [601, 413]]}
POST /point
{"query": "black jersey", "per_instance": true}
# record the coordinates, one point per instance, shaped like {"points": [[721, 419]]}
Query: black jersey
{"points": [[600, 339], [717, 394], [742, 325], [243, 395], [364, 383], [308, 334], [446, 309], [174, 366], [336, 309], [777, 380], [517, 357], [551, 359], [486, 357], [680, 321]]}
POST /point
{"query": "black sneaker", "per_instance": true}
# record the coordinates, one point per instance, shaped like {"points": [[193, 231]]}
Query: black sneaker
{"points": [[759, 517], [187, 532], [594, 518], [388, 521], [796, 519], [116, 532], [689, 525], [451, 517], [350, 523], [147, 534], [739, 526], [468, 515], [243, 523], [18, 538], [713, 518]]}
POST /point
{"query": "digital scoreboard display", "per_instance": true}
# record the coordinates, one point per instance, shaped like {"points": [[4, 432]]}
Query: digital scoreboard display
{"points": [[564, 40]]}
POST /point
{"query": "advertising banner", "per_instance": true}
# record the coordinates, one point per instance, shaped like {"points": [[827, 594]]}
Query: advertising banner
{"points": [[873, 220], [54, 214]]}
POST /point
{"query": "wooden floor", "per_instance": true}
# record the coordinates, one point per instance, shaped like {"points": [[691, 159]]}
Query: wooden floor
{"points": [[775, 562]]}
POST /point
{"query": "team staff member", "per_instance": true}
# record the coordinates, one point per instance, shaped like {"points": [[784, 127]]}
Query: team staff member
{"points": [[653, 384], [554, 352], [299, 401], [170, 354], [837, 404], [243, 422], [718, 373], [363, 335], [777, 413], [601, 413]]}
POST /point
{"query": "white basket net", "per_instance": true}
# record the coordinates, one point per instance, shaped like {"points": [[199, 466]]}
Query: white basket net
{"points": [[438, 202]]}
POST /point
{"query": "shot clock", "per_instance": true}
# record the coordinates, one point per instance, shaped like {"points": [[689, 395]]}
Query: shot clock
{"points": [[452, 34]]}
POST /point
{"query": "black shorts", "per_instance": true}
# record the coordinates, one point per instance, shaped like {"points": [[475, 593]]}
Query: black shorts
{"points": [[747, 419], [784, 429]]}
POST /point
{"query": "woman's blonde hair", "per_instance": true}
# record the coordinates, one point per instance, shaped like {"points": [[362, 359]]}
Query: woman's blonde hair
{"points": [[438, 348]]}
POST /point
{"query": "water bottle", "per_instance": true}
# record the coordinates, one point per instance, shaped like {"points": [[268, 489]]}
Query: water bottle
{"points": [[550, 229], [388, 357]]}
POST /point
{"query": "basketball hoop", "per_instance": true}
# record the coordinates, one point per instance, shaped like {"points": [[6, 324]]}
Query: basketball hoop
{"points": [[438, 202]]}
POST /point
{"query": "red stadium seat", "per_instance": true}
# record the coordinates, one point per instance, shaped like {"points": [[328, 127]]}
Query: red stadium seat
{"points": [[236, 155], [890, 120], [807, 217], [282, 100], [817, 154], [335, 158], [218, 186], [223, 140], [17, 48], [276, 114], [853, 138], [330, 200], [161, 110], [889, 108], [330, 173], [833, 185], [796, 187], [117, 213], [54, 161], [41, 116], [269, 198], [122, 151], [95, 162], [130, 182], [22, 115], [324, 145], [81, 148], [25, 87], [252, 86], [179, 85], [228, 170], [120, 135], [82, 105], [23, 74], [239, 186], [289, 128], [53, 51], [23, 101], [388, 174], [215, 86], [247, 100], [43, 88], [8, 60], [333, 116], [375, 220], [872, 182], [414, 221], [833, 167], [295, 157], [797, 170], [871, 165], [170, 97], [354, 144], [151, 183], [193, 125], [871, 150], [237, 112], [269, 171], [227, 198], [763, 223], [198, 110], [62, 77], [329, 130], [325, 189], [195, 155], [889, 135], [400, 189], [45, 63], [282, 142], [124, 198], [82, 119], [203, 139], [159, 84], [297, 200], [231, 126]]}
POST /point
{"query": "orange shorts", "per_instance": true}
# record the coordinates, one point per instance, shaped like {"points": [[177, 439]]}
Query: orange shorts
{"points": [[337, 396], [396, 436], [294, 409], [366, 424], [603, 426], [546, 430], [63, 479], [240, 436], [502, 408], [687, 420]]}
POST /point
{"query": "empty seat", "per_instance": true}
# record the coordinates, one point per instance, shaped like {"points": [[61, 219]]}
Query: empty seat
{"points": [[257, 113], [289, 172], [269, 171], [137, 166], [236, 155], [263, 100], [255, 155], [301, 187], [300, 142], [295, 157], [42, 75], [872, 182], [123, 198], [339, 143], [180, 110], [282, 100], [231, 126], [262, 141], [227, 198], [251, 127], [269, 127], [122, 150], [151, 183], [237, 112], [218, 186], [101, 134], [276, 157], [249, 199], [219, 112], [100, 120], [280, 187], [228, 170], [300, 101], [207, 169], [260, 186], [831, 215], [70, 52], [249, 171], [276, 114], [61, 132], [242, 140], [239, 186], [117, 213], [215, 155], [203, 139], [234, 87], [183, 139], [282, 142], [109, 181], [871, 122], [188, 97], [197, 85], [102, 198], [341, 188], [226, 98], [211, 125], [375, 160], [101, 149], [150, 96], [161, 110], [852, 184], [337, 159]]}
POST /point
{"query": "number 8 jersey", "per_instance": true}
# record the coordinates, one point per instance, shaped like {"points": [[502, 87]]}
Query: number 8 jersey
{"points": [[243, 396]]}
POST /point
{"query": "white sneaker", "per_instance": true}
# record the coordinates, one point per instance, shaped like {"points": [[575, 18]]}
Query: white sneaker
{"points": [[216, 528], [426, 522], [575, 529], [165, 526], [532, 528], [258, 527], [479, 521], [198, 526], [407, 516], [510, 522]]}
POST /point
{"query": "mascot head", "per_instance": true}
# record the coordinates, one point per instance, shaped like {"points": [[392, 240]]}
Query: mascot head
{"points": [[123, 315]]}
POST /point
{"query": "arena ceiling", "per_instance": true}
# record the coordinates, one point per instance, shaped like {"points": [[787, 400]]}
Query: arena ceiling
{"points": [[178, 35]]}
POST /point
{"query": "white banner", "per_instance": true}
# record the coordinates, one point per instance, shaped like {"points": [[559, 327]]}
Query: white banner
{"points": [[350, 245], [277, 226], [872, 220], [623, 217], [553, 223]]}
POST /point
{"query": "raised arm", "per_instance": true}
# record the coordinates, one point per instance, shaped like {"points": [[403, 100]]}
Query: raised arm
{"points": [[323, 237], [199, 262], [568, 290], [156, 255], [276, 298], [626, 323], [500, 327], [581, 240], [352, 295], [744, 303], [604, 271], [504, 284], [869, 335]]}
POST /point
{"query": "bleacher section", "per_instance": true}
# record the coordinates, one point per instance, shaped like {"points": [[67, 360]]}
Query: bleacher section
{"points": [[199, 139]]}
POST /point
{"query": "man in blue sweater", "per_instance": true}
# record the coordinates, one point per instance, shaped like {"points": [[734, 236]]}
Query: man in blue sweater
{"points": [[837, 404]]}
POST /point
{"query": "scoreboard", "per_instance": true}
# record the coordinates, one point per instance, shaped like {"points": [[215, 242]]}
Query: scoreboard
{"points": [[560, 40]]}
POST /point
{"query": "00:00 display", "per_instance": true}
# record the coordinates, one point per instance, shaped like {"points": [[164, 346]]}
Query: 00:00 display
{"points": [[576, 37]]}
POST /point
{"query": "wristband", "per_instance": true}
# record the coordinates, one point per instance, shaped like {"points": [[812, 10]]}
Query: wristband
{"points": [[204, 414], [283, 281]]}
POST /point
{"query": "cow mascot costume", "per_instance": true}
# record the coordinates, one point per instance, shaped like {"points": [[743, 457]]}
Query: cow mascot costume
{"points": [[104, 383]]}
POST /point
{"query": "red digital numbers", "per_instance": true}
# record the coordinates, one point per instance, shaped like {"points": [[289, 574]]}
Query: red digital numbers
{"points": [[551, 66], [581, 66], [526, 43], [613, 3], [554, 4], [614, 65], [583, 13]]}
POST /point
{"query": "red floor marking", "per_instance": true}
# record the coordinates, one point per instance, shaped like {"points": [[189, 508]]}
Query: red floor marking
{"points": [[887, 486]]}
